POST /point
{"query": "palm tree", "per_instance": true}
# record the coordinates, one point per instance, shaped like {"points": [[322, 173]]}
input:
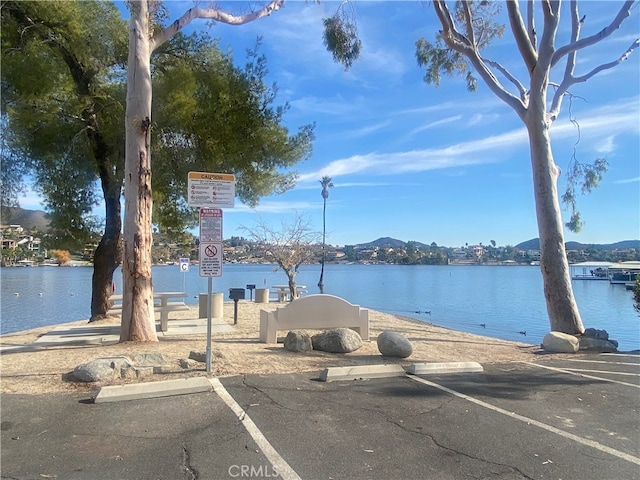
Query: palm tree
{"points": [[326, 185]]}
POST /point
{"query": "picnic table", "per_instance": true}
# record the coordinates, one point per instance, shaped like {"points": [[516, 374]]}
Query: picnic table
{"points": [[284, 293], [161, 304]]}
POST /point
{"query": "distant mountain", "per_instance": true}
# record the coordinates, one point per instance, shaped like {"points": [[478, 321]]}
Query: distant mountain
{"points": [[534, 244], [387, 242], [27, 219]]}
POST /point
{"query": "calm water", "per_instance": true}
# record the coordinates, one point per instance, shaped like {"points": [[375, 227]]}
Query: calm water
{"points": [[507, 300]]}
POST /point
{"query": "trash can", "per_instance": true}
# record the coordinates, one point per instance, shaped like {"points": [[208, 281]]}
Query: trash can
{"points": [[217, 302], [262, 295]]}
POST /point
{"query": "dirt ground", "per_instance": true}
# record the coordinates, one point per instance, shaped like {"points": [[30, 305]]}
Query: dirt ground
{"points": [[40, 371]]}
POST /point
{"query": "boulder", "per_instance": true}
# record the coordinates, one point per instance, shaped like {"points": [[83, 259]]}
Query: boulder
{"points": [[153, 358], [338, 340], [101, 369], [202, 356], [558, 342], [298, 341], [595, 333], [597, 345], [394, 344]]}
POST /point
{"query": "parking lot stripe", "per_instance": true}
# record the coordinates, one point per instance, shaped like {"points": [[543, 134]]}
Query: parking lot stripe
{"points": [[601, 361], [630, 374], [593, 377], [284, 470], [531, 421]]}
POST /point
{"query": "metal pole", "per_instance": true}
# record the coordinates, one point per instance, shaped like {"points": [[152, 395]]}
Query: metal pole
{"points": [[209, 288]]}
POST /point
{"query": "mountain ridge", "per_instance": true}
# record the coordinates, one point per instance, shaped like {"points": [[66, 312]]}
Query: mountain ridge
{"points": [[533, 244]]}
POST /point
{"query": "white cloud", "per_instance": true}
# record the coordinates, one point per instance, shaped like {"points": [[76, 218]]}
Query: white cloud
{"points": [[437, 123], [271, 206], [461, 154], [607, 145], [628, 180]]}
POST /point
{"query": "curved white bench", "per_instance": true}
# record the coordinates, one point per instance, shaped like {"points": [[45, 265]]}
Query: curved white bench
{"points": [[316, 312]]}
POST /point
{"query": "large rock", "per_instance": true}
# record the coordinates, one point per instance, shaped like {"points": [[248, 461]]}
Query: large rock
{"points": [[597, 345], [558, 342], [394, 344], [298, 341], [102, 369], [153, 359], [338, 340], [595, 333], [201, 357]]}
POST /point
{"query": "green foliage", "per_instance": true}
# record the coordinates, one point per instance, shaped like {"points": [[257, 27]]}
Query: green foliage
{"points": [[59, 60], [326, 185], [341, 37], [438, 58], [212, 116], [585, 178], [63, 77]]}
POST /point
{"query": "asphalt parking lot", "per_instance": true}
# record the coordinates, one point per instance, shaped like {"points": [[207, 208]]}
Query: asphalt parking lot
{"points": [[565, 419]]}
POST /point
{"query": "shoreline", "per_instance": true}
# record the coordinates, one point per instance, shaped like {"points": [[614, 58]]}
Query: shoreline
{"points": [[238, 351]]}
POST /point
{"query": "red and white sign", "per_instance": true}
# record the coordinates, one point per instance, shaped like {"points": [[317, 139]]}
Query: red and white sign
{"points": [[210, 225], [210, 242]]}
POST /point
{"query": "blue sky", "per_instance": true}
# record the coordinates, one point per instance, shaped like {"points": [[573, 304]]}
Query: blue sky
{"points": [[416, 162]]}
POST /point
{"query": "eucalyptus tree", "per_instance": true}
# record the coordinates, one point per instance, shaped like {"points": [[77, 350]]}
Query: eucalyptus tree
{"points": [[467, 31], [145, 37], [326, 185], [212, 116]]}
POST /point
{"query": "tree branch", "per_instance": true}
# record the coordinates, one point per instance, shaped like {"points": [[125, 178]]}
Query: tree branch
{"points": [[527, 51], [624, 12], [531, 25], [567, 79], [213, 14], [469, 24], [521, 88], [455, 41]]}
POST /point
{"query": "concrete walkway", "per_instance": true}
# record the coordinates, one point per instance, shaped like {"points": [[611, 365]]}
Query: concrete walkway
{"points": [[95, 334]]}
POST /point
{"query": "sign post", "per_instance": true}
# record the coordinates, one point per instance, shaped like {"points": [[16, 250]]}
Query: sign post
{"points": [[210, 192], [184, 268]]}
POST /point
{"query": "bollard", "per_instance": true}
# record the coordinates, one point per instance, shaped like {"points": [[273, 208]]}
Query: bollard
{"points": [[262, 295], [217, 304]]}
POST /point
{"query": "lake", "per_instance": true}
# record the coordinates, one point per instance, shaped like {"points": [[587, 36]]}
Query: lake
{"points": [[507, 300]]}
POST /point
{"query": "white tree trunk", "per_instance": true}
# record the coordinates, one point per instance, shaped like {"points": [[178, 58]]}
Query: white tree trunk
{"points": [[561, 305], [138, 323]]}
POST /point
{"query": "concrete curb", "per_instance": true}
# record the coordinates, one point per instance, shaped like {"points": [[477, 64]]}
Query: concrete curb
{"points": [[446, 367], [166, 388], [361, 372], [358, 372]]}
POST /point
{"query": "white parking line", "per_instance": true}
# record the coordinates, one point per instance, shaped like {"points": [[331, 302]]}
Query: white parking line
{"points": [[531, 421], [283, 469], [630, 374], [593, 377], [600, 361]]}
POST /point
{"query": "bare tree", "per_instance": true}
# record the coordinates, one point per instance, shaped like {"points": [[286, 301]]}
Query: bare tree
{"points": [[291, 245], [144, 37]]}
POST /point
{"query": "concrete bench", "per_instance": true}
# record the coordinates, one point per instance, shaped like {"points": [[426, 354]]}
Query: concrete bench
{"points": [[314, 312], [163, 307]]}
